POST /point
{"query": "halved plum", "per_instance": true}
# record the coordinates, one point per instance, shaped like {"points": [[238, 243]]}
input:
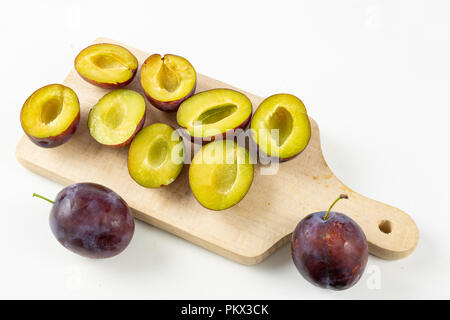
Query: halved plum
{"points": [[168, 81], [213, 114], [106, 65], [117, 117], [50, 116], [280, 126], [156, 156], [220, 174]]}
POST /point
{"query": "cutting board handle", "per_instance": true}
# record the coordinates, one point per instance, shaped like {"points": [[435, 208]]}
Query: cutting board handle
{"points": [[391, 233]]}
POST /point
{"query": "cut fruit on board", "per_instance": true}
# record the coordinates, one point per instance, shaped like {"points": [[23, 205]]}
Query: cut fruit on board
{"points": [[248, 232]]}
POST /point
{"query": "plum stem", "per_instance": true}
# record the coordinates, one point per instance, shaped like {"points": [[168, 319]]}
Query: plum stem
{"points": [[342, 196], [39, 196]]}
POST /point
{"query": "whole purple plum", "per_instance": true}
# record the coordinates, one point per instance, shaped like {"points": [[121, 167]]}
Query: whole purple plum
{"points": [[91, 220], [329, 249]]}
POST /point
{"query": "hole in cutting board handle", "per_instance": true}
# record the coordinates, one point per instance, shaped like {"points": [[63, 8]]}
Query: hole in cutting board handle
{"points": [[385, 226]]}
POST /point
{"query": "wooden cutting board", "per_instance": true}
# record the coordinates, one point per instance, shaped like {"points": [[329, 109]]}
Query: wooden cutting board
{"points": [[248, 232]]}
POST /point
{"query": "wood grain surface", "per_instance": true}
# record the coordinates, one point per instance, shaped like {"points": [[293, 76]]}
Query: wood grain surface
{"points": [[248, 232]]}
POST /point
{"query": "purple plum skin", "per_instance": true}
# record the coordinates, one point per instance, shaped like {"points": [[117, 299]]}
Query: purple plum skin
{"points": [[332, 253], [91, 220]]}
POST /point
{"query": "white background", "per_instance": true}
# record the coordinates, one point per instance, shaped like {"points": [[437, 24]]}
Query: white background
{"points": [[373, 74]]}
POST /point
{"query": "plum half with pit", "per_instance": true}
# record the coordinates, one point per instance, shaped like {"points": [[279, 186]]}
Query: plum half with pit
{"points": [[280, 126], [214, 114], [106, 65], [167, 81], [50, 116], [329, 249], [117, 118], [91, 220]]}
